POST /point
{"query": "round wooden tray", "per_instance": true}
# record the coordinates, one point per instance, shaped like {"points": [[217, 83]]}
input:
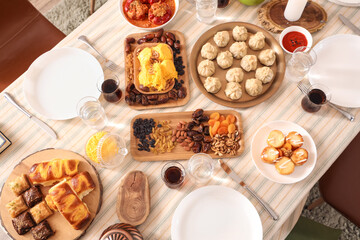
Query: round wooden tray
{"points": [[246, 100], [58, 223], [271, 16]]}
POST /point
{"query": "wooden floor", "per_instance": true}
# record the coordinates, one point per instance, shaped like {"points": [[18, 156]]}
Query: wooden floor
{"points": [[44, 5]]}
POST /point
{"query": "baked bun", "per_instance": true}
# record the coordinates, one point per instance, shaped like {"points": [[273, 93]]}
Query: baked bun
{"points": [[276, 139], [285, 166], [270, 155], [295, 139], [299, 156]]}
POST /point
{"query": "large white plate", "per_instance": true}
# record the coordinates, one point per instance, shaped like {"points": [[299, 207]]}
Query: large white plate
{"points": [[58, 79], [337, 67], [268, 170], [213, 213], [349, 3]]}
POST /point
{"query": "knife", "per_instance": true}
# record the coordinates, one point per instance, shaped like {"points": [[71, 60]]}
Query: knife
{"points": [[40, 123], [349, 24], [237, 179]]}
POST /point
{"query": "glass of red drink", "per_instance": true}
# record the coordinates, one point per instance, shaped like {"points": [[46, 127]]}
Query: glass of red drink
{"points": [[109, 87], [173, 174], [317, 96]]}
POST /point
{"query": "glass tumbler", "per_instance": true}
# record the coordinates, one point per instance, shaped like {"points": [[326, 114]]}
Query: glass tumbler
{"points": [[300, 63], [111, 150], [200, 168], [206, 10], [92, 113], [317, 96], [173, 174], [109, 87]]}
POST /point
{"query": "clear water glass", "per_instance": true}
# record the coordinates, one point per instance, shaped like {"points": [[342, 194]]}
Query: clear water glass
{"points": [[92, 113], [201, 168], [206, 10], [298, 66]]}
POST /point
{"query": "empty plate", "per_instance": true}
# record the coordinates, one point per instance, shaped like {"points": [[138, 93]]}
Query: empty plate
{"points": [[58, 79], [213, 213]]}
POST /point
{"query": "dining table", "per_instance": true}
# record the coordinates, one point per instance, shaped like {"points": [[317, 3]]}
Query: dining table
{"points": [[107, 29]]}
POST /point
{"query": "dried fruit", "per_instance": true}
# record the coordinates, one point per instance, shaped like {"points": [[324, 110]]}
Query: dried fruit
{"points": [[215, 128], [231, 128], [222, 130], [215, 116], [231, 118]]}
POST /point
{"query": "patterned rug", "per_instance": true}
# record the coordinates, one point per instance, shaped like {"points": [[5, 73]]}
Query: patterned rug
{"points": [[69, 14]]}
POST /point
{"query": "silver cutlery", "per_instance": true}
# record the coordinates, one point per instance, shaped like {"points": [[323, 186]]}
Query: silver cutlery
{"points": [[40, 123], [349, 24], [237, 179], [348, 115], [108, 63]]}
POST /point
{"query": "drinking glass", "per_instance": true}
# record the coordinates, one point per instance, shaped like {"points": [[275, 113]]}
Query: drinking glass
{"points": [[300, 63], [173, 174], [317, 96], [206, 10], [111, 150], [92, 113], [200, 168], [109, 87]]}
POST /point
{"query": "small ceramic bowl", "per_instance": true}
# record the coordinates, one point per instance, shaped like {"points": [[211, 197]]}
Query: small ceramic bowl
{"points": [[177, 4], [296, 29]]}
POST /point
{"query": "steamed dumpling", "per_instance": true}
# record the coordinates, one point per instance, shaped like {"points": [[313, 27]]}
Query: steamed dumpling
{"points": [[257, 41], [209, 51], [264, 74], [253, 87], [222, 38], [233, 90], [224, 59], [240, 33], [249, 63], [212, 84], [234, 75], [206, 68], [238, 49], [267, 57]]}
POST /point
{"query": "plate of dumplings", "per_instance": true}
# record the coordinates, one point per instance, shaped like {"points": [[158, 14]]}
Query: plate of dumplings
{"points": [[283, 152], [237, 64]]}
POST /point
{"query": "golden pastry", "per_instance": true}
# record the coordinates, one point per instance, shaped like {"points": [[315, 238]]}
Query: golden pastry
{"points": [[19, 185], [270, 155], [50, 202], [82, 184], [16, 206], [276, 139], [40, 212], [299, 156], [295, 139], [285, 166]]}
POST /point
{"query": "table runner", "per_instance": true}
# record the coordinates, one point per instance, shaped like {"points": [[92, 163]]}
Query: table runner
{"points": [[107, 30]]}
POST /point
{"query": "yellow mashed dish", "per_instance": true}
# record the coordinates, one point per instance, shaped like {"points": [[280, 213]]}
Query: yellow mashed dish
{"points": [[157, 67]]}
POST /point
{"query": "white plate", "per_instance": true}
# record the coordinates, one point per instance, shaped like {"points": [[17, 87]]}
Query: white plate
{"points": [[337, 67], [349, 3], [58, 79], [268, 170], [213, 213]]}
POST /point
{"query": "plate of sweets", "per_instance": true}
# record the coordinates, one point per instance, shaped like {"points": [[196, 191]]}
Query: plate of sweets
{"points": [[283, 152]]}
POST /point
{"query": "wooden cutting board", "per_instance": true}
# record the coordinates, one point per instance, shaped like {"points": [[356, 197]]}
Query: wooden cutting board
{"points": [[63, 230], [179, 153]]}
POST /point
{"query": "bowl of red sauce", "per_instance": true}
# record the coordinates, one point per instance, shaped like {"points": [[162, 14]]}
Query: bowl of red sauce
{"points": [[148, 14], [293, 37]]}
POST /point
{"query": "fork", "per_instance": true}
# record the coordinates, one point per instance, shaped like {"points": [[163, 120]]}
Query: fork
{"points": [[108, 63], [348, 115]]}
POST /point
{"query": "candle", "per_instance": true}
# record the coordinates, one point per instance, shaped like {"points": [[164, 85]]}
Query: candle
{"points": [[294, 9]]}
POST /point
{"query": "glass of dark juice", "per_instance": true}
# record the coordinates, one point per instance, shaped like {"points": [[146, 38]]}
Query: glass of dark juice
{"points": [[317, 96], [173, 174], [109, 87]]}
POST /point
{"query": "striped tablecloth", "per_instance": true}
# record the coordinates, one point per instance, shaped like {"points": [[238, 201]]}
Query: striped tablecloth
{"points": [[107, 29]]}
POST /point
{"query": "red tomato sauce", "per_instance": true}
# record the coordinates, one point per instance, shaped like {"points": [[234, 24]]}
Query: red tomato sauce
{"points": [[293, 40]]}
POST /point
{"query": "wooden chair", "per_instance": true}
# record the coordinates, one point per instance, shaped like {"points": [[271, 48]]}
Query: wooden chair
{"points": [[339, 187], [25, 34]]}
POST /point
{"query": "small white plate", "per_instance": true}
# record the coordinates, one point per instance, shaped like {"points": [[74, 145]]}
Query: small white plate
{"points": [[213, 213], [58, 79], [348, 3], [268, 170]]}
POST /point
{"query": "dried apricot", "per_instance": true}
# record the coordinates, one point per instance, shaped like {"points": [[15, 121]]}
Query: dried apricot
{"points": [[222, 118], [215, 115], [224, 123], [222, 130], [231, 118], [210, 131], [211, 122], [231, 128], [215, 128]]}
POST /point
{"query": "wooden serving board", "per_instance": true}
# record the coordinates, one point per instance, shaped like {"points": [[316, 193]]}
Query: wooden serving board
{"points": [[179, 153], [271, 16], [129, 71], [58, 223], [246, 100]]}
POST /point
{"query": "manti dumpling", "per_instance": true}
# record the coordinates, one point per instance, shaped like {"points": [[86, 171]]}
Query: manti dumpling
{"points": [[264, 74], [233, 90], [238, 49], [212, 84], [209, 51], [253, 87], [234, 75], [267, 57], [249, 63], [240, 33], [225, 59], [206, 68], [257, 41], [222, 38]]}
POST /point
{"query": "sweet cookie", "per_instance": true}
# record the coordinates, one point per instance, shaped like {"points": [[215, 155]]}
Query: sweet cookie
{"points": [[276, 139], [270, 155], [285, 166], [295, 139], [299, 156]]}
